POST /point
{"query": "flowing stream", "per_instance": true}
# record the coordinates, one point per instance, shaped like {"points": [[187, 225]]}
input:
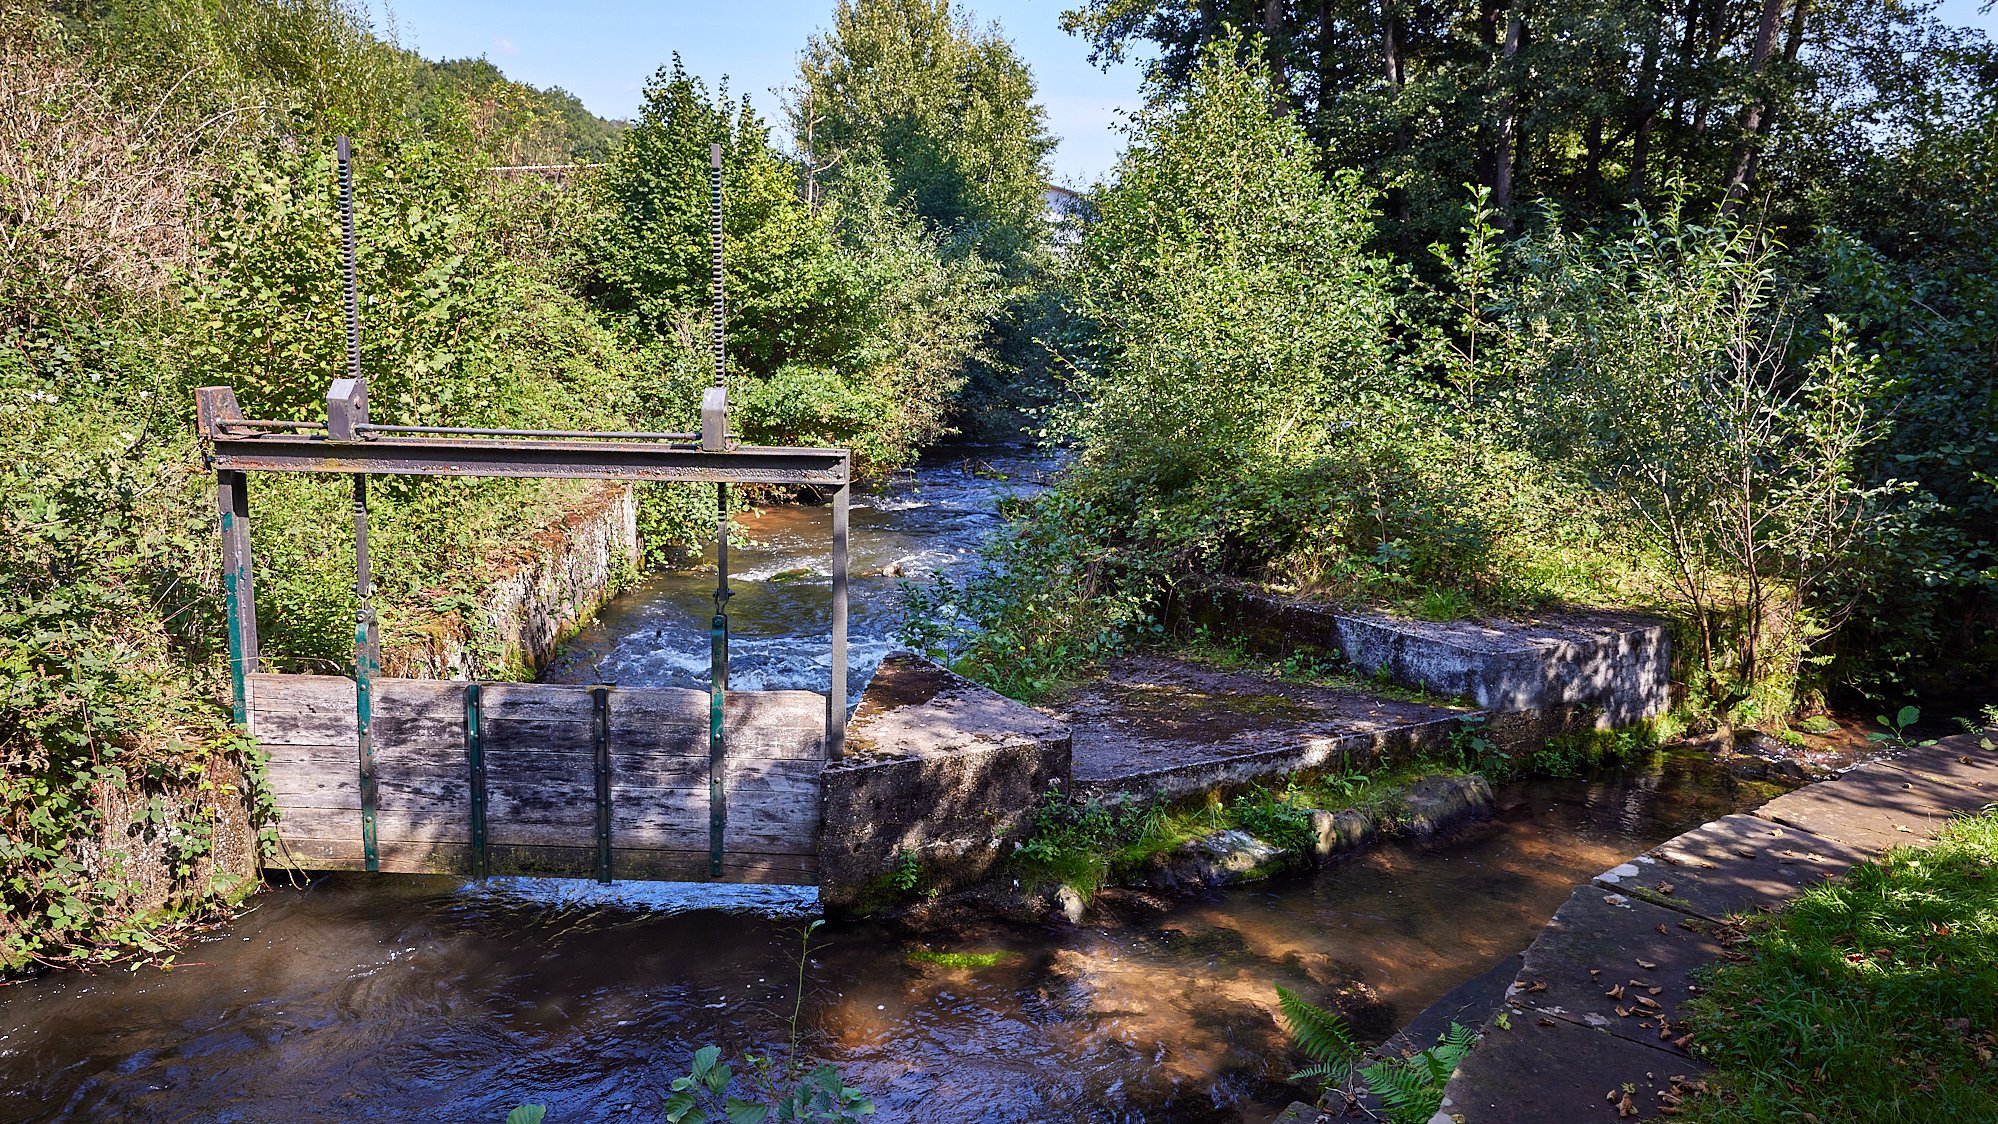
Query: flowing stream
{"points": [[436, 999]]}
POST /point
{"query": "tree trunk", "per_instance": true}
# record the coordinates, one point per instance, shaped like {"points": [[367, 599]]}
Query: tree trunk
{"points": [[1644, 110], [1502, 170], [1753, 122], [1768, 122], [1323, 110], [1274, 48], [1397, 197]]}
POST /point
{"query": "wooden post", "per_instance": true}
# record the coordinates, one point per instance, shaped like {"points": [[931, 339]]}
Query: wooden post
{"points": [[232, 490], [836, 694]]}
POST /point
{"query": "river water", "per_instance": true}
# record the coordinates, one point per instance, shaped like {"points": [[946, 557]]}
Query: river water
{"points": [[435, 999]]}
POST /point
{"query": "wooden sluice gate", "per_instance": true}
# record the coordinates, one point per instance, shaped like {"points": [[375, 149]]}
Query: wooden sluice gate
{"points": [[431, 776], [544, 779]]}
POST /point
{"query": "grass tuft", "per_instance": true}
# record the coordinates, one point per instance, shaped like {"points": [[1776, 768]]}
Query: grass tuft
{"points": [[1871, 999]]}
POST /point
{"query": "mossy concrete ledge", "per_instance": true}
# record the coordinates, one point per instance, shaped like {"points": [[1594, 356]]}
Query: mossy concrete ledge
{"points": [[1613, 667], [940, 773]]}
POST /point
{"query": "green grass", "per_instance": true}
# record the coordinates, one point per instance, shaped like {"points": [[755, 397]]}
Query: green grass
{"points": [[1088, 844], [1870, 1000], [960, 959]]}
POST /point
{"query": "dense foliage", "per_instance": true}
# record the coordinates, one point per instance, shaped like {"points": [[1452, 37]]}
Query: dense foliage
{"points": [[170, 220], [1673, 408], [1587, 103], [912, 89]]}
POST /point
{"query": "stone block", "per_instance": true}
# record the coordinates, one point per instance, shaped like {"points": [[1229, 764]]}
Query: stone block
{"points": [[1615, 666], [1436, 804], [1596, 962], [1549, 1071], [1734, 864], [937, 767], [1961, 760], [1336, 833], [1875, 807]]}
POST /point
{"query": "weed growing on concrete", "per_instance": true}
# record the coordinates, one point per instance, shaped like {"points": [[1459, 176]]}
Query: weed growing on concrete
{"points": [[1279, 818]]}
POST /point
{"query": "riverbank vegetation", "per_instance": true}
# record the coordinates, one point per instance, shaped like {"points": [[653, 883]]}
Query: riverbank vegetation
{"points": [[1675, 344], [170, 221], [1874, 997]]}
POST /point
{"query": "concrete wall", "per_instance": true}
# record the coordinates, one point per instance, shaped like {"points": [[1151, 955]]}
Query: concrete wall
{"points": [[937, 767], [568, 571], [1590, 668]]}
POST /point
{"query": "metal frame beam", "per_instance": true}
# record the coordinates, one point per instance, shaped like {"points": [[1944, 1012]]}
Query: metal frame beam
{"points": [[245, 448]]}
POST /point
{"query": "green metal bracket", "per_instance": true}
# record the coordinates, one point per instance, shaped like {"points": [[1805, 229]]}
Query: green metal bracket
{"points": [[717, 746], [600, 735], [366, 666], [238, 689], [475, 750]]}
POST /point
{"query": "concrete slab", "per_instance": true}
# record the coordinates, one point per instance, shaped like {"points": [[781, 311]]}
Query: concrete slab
{"points": [[1734, 864], [1547, 1071], [936, 767], [1961, 760], [1875, 807], [1155, 726], [1615, 664], [1610, 962]]}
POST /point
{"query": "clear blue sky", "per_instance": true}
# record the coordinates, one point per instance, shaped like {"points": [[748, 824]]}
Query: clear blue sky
{"points": [[603, 50]]}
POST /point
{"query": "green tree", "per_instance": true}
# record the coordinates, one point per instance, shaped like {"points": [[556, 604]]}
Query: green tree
{"points": [[791, 296], [946, 108]]}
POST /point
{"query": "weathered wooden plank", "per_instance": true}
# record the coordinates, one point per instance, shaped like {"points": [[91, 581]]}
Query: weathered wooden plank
{"points": [[442, 699], [664, 720], [299, 770], [627, 864], [543, 702], [766, 724], [302, 709]]}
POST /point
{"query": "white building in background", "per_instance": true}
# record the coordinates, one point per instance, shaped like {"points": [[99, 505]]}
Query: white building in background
{"points": [[1065, 212]]}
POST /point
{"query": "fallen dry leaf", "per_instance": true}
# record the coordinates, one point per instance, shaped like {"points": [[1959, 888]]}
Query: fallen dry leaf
{"points": [[1645, 964]]}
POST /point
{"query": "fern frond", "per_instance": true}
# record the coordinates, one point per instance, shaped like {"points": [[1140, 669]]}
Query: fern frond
{"points": [[1321, 1034], [1406, 1088], [1320, 1072]]}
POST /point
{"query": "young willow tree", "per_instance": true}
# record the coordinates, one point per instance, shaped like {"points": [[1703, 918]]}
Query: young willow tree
{"points": [[947, 109], [1243, 321], [1667, 375]]}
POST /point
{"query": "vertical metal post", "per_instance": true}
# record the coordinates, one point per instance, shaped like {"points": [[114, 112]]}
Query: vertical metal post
{"points": [[367, 665], [345, 150], [600, 738], [475, 750], [232, 495], [715, 235], [836, 695], [367, 642], [718, 696]]}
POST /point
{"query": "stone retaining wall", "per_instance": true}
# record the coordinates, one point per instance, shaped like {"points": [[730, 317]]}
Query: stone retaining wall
{"points": [[571, 568]]}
